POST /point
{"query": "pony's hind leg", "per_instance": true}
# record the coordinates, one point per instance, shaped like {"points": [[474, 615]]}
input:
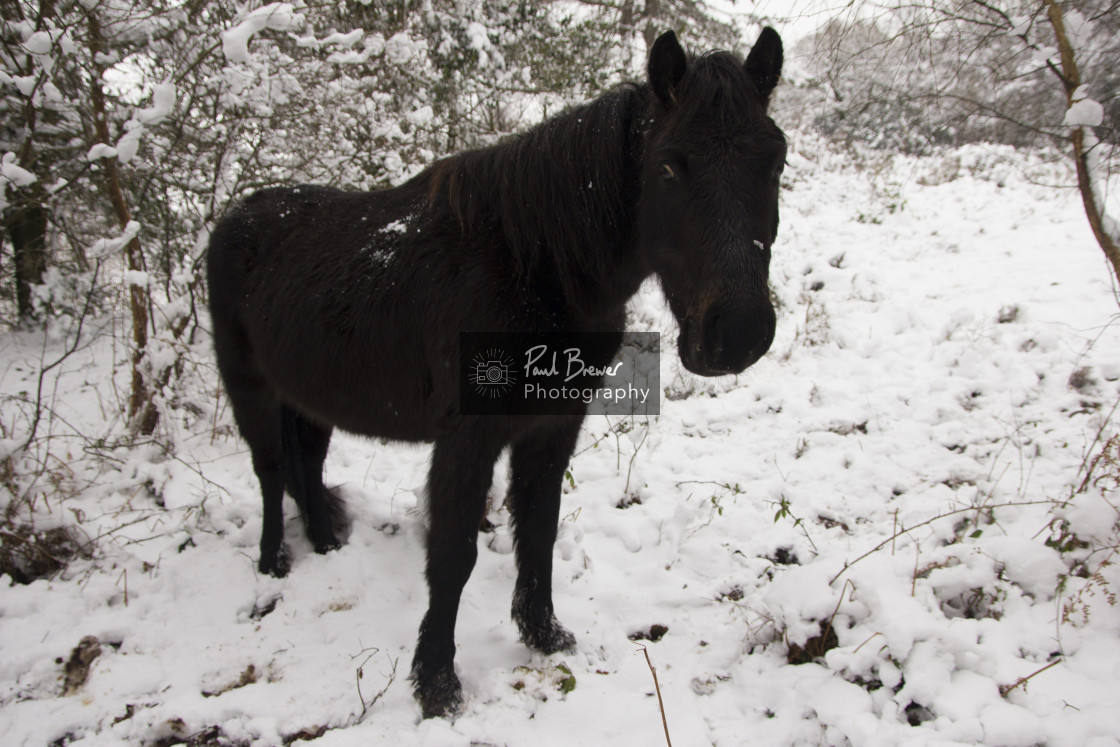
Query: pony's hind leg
{"points": [[460, 476], [305, 449], [537, 464]]}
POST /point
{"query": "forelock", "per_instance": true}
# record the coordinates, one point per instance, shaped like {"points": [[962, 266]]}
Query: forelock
{"points": [[717, 90]]}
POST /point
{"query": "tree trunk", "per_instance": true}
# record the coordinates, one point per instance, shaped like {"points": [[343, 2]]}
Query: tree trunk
{"points": [[1071, 79], [26, 220], [142, 413], [26, 224]]}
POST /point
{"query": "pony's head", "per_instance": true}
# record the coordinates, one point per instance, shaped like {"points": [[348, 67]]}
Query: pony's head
{"points": [[708, 214]]}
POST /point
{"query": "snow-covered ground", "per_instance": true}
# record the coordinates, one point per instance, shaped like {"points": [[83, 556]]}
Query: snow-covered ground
{"points": [[946, 349]]}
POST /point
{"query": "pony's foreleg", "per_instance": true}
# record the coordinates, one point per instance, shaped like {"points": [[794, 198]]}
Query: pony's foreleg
{"points": [[537, 465], [460, 476], [257, 412], [258, 418], [274, 556]]}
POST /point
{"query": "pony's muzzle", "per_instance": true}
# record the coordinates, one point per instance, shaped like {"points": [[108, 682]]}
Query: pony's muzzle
{"points": [[727, 338]]}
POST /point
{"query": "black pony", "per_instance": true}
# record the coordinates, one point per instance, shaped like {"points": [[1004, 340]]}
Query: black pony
{"points": [[343, 309]]}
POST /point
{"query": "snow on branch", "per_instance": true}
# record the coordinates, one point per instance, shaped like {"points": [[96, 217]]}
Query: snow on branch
{"points": [[12, 173], [104, 247], [277, 16], [1083, 111]]}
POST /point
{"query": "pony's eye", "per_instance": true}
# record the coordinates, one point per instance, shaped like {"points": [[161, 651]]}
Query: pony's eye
{"points": [[667, 172]]}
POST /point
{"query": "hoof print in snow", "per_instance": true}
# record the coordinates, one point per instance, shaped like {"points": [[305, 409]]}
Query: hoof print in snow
{"points": [[847, 429], [734, 594], [176, 731], [917, 714], [707, 685], [82, 657], [784, 556], [307, 734], [248, 677], [631, 499], [264, 607], [1082, 380], [814, 648], [830, 522], [654, 634], [544, 682]]}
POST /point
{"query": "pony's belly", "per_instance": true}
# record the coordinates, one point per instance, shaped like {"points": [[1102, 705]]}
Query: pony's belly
{"points": [[381, 401], [390, 424]]}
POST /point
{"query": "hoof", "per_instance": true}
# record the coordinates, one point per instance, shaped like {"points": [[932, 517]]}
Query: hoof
{"points": [[549, 637], [440, 695], [325, 547], [275, 564], [324, 539]]}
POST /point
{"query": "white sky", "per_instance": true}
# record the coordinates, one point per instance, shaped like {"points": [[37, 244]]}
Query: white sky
{"points": [[792, 18]]}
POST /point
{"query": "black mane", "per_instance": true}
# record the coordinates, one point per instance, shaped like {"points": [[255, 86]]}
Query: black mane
{"points": [[562, 194]]}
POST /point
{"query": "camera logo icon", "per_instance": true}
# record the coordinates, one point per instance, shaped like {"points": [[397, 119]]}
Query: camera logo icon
{"points": [[492, 373]]}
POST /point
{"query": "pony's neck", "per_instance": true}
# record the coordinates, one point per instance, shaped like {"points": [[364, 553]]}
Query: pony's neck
{"points": [[564, 196]]}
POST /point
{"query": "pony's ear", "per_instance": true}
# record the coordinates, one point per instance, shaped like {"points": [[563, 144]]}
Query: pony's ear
{"points": [[764, 63], [667, 63]]}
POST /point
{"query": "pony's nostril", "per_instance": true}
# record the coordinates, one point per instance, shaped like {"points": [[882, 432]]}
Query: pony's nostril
{"points": [[713, 335]]}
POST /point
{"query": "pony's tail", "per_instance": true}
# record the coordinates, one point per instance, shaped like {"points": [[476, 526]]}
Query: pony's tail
{"points": [[305, 447]]}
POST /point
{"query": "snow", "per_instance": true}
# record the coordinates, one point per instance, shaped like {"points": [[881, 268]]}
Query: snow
{"points": [[26, 84], [1079, 30], [1084, 113], [39, 43], [397, 226], [14, 174], [344, 40], [279, 16], [421, 117], [106, 247], [129, 144], [101, 150], [136, 277], [400, 48], [933, 316], [163, 103]]}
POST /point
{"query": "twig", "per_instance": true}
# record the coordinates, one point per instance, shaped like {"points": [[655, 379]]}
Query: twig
{"points": [[869, 639], [124, 578], [914, 577], [660, 702], [634, 456], [1005, 689], [836, 609], [358, 679], [1089, 463], [927, 522], [894, 529]]}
